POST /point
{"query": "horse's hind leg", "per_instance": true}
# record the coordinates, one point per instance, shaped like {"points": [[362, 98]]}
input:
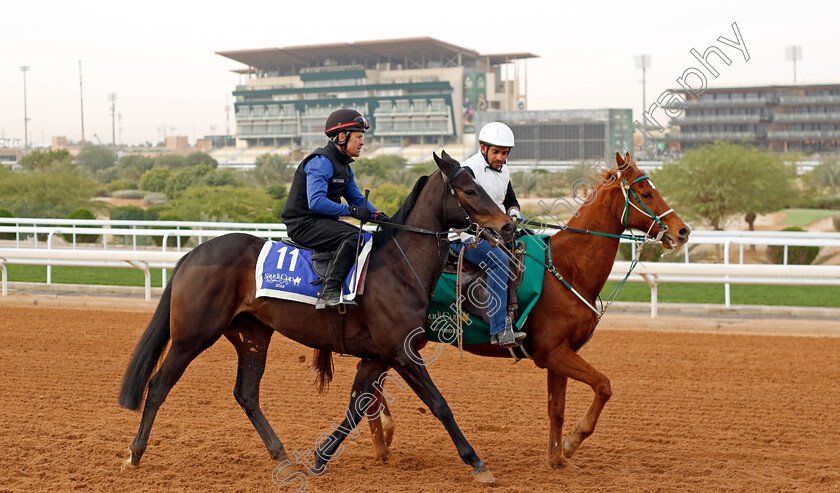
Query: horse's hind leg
{"points": [[381, 426], [556, 412], [251, 339], [369, 372], [568, 363], [180, 354]]}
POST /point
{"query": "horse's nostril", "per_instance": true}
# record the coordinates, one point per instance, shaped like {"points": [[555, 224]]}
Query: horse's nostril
{"points": [[684, 233], [508, 228]]}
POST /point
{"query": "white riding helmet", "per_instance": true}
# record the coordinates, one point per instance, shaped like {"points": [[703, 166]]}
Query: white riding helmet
{"points": [[496, 134]]}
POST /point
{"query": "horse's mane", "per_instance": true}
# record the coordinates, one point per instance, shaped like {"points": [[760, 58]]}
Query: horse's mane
{"points": [[384, 234]]}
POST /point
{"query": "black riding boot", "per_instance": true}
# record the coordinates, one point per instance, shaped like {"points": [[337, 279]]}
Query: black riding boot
{"points": [[340, 266]]}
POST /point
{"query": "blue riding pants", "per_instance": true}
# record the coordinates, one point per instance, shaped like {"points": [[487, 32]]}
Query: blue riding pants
{"points": [[497, 265]]}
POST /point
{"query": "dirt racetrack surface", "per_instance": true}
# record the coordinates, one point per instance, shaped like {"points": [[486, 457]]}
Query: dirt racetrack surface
{"points": [[691, 411]]}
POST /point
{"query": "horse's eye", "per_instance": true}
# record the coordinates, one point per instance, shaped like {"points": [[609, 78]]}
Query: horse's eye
{"points": [[646, 195], [470, 191]]}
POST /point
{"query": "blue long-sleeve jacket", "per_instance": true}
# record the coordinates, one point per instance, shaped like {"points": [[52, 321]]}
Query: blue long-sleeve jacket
{"points": [[318, 171]]}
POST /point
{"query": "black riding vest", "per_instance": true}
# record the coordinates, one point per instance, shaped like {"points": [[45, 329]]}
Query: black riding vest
{"points": [[297, 205]]}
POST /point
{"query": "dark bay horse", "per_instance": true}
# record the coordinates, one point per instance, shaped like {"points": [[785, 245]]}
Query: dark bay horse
{"points": [[560, 323], [212, 294]]}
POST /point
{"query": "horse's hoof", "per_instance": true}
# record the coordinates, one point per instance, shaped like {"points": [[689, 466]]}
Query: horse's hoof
{"points": [[127, 465], [382, 456], [279, 456], [563, 465], [483, 475], [568, 450]]}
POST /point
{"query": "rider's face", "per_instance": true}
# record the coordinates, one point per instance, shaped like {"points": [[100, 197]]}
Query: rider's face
{"points": [[496, 156], [355, 143]]}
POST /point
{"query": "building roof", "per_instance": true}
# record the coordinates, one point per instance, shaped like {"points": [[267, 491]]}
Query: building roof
{"points": [[357, 53], [499, 58], [768, 87]]}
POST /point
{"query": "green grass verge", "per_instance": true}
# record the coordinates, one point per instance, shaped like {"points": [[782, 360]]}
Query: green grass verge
{"points": [[741, 294], [804, 217], [105, 276]]}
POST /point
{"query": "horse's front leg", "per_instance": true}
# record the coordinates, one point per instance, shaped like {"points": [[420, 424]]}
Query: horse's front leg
{"points": [[567, 363], [419, 380]]}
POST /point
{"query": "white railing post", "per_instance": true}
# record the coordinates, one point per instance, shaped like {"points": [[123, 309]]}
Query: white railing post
{"points": [[49, 247], [726, 286], [650, 279], [5, 280], [147, 277], [163, 271]]}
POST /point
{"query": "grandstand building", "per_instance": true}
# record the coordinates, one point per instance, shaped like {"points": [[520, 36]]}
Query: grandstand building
{"points": [[803, 118], [414, 91], [564, 137]]}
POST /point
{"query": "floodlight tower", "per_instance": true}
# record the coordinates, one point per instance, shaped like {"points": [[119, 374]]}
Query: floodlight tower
{"points": [[112, 97], [643, 62], [793, 53], [24, 69]]}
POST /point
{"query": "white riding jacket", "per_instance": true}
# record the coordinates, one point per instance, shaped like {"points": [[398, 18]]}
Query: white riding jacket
{"points": [[495, 183]]}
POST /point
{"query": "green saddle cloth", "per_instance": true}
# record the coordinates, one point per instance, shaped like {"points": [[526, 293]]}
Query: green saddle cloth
{"points": [[443, 322]]}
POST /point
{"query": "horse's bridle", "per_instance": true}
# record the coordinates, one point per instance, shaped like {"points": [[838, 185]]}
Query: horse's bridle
{"points": [[627, 190]]}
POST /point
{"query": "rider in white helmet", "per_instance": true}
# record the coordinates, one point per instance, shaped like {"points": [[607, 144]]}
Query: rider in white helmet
{"points": [[490, 171]]}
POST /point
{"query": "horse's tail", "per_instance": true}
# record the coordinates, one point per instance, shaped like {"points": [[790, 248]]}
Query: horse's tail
{"points": [[323, 364], [148, 351]]}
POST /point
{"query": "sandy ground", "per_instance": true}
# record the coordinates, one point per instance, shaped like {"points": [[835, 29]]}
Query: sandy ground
{"points": [[698, 405]]}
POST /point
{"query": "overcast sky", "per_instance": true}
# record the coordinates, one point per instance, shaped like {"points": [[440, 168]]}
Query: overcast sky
{"points": [[159, 57]]}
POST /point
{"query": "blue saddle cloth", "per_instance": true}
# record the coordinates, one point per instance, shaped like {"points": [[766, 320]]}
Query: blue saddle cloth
{"points": [[285, 272]]}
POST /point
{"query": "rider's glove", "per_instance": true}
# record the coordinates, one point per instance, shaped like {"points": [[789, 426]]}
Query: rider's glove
{"points": [[360, 212], [381, 217], [515, 215]]}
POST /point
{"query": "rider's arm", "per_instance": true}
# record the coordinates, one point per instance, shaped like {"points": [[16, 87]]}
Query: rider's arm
{"points": [[510, 199], [318, 172], [354, 196]]}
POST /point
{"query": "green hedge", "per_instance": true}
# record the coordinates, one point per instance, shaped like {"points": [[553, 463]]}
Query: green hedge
{"points": [[81, 214], [6, 213], [798, 255]]}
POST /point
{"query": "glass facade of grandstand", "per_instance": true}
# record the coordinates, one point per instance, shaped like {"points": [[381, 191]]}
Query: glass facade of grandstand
{"points": [[802, 118], [412, 91], [564, 136]]}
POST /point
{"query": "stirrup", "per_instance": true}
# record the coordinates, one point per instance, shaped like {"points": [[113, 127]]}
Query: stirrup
{"points": [[341, 302]]}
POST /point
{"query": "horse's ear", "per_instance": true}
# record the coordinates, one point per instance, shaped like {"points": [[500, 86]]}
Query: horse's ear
{"points": [[618, 160], [445, 163]]}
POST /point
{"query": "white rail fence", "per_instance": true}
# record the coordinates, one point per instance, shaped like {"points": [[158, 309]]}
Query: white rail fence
{"points": [[26, 248]]}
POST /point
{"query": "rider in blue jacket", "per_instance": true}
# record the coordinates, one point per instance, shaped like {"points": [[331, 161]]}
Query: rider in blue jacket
{"points": [[314, 205]]}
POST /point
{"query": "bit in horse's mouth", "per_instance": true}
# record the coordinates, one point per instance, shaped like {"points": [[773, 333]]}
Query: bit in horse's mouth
{"points": [[492, 236]]}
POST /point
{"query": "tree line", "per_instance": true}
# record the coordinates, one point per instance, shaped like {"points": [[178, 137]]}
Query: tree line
{"points": [[709, 184]]}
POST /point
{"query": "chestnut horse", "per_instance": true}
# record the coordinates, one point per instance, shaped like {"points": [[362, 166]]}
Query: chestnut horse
{"points": [[560, 323], [212, 294]]}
